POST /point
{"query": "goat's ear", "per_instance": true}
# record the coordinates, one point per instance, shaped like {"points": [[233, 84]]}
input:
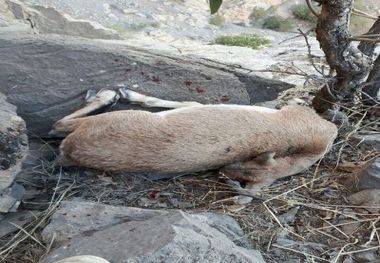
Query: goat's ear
{"points": [[266, 158]]}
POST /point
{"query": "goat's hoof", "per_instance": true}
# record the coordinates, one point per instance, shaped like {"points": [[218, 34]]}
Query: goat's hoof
{"points": [[90, 96], [107, 97], [104, 96], [124, 93]]}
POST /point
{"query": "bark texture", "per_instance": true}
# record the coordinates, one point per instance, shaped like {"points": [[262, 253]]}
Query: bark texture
{"points": [[349, 63]]}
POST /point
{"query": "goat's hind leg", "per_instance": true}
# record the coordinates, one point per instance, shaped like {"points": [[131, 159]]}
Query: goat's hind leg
{"points": [[147, 101], [94, 101]]}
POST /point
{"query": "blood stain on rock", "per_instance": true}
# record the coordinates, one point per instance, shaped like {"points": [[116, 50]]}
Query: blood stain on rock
{"points": [[225, 98], [199, 90]]}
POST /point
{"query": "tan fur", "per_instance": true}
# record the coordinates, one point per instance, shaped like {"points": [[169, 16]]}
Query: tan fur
{"points": [[198, 138]]}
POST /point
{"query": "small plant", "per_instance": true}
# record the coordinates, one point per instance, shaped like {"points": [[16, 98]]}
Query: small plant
{"points": [[278, 23], [258, 12], [217, 20], [302, 12], [252, 41], [118, 27]]}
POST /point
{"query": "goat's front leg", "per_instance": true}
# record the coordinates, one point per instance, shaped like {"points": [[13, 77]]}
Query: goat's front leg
{"points": [[143, 100], [94, 101]]}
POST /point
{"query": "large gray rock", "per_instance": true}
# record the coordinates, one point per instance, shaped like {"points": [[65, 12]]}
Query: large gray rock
{"points": [[46, 77], [150, 236], [13, 148], [47, 20], [78, 217]]}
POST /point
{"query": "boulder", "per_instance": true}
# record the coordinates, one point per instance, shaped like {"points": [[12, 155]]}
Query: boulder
{"points": [[148, 236], [78, 217], [46, 77], [13, 148]]}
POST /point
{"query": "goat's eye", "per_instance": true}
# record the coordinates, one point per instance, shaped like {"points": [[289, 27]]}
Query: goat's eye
{"points": [[292, 150]]}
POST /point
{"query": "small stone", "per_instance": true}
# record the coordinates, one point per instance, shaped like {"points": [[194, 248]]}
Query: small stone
{"points": [[367, 198], [369, 177], [367, 142], [366, 256], [289, 216]]}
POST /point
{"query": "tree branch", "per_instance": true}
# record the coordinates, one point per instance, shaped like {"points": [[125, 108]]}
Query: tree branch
{"points": [[362, 14], [369, 47], [311, 8]]}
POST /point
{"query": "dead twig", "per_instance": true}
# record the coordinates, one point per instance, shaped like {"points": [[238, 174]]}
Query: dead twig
{"points": [[363, 14]]}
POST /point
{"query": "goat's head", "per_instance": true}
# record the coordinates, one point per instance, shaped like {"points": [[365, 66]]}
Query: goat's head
{"points": [[255, 171]]}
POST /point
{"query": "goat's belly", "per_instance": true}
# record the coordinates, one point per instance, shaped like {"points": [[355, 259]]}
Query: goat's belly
{"points": [[141, 155], [144, 142]]}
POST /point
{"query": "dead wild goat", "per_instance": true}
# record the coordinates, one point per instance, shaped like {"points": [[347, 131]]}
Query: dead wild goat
{"points": [[250, 144]]}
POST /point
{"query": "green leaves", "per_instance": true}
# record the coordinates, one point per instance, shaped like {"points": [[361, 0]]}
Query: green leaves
{"points": [[215, 5]]}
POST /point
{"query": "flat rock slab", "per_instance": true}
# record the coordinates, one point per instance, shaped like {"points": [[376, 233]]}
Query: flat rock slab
{"points": [[171, 236], [46, 77]]}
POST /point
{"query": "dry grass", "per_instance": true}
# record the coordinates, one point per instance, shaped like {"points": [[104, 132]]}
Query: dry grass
{"points": [[26, 245]]}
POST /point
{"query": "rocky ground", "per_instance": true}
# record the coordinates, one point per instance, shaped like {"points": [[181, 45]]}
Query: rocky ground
{"points": [[51, 55]]}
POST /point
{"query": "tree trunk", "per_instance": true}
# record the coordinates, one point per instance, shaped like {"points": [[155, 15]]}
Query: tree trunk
{"points": [[351, 65], [371, 89]]}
